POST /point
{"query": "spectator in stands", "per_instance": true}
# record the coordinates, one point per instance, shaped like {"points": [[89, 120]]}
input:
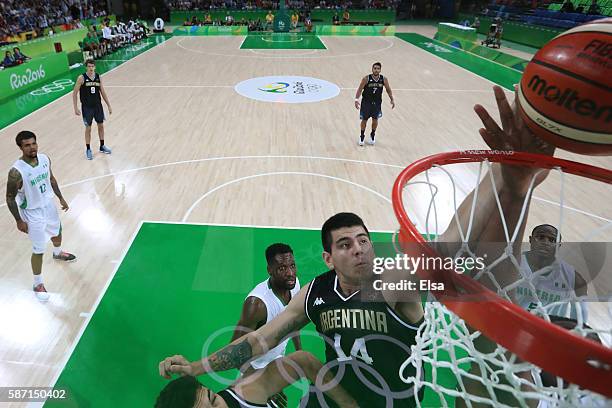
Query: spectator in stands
{"points": [[8, 61], [346, 16], [229, 19], [110, 40], [567, 7], [336, 19], [269, 20], [208, 19], [476, 23], [308, 23], [594, 8], [18, 56], [91, 44], [294, 19]]}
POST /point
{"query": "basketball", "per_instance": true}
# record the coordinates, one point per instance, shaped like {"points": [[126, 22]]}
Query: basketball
{"points": [[565, 94]]}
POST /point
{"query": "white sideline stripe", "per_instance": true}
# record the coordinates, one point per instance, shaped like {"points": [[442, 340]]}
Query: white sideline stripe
{"points": [[90, 314], [216, 224]]}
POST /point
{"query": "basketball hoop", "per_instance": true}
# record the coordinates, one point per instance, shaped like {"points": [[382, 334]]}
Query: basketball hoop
{"points": [[532, 339]]}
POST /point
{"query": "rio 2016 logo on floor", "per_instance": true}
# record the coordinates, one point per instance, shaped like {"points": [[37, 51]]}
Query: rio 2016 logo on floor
{"points": [[287, 89]]}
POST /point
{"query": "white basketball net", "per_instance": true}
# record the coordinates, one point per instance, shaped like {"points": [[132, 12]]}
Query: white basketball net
{"points": [[446, 344]]}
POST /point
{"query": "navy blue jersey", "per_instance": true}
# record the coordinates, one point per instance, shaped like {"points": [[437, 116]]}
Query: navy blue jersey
{"points": [[90, 91], [372, 92]]}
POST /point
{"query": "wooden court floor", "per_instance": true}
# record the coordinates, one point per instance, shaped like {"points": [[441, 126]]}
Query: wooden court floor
{"points": [[188, 148]]}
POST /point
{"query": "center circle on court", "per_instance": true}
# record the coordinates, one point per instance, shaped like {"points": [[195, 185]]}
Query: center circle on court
{"points": [[287, 89]]}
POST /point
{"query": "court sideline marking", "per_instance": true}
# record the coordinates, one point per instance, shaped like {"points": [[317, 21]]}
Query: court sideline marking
{"points": [[89, 316]]}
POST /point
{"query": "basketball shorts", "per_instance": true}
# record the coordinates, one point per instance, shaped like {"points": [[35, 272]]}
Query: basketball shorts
{"points": [[43, 224], [370, 110], [232, 400], [92, 112]]}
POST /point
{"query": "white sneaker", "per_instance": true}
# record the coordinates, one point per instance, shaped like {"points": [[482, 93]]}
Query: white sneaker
{"points": [[372, 142], [360, 142], [40, 292]]}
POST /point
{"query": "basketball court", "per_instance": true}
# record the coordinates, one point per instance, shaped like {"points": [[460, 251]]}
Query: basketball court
{"points": [[170, 230]]}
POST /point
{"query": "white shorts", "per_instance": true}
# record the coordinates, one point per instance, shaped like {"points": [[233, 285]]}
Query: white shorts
{"points": [[43, 223]]}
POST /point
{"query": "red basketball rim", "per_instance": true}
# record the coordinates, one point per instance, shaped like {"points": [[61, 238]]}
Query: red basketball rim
{"points": [[578, 360]]}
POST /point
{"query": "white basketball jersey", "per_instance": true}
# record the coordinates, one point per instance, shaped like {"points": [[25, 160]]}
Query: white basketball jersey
{"points": [[585, 401], [554, 286], [36, 191], [274, 307]]}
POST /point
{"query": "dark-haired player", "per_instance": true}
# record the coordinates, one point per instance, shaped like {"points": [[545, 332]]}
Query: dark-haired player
{"points": [[370, 90], [269, 298], [90, 89], [366, 339], [29, 197]]}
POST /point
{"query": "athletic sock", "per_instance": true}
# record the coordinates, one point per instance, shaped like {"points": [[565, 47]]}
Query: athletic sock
{"points": [[373, 134], [362, 136], [57, 250], [101, 143], [88, 146], [37, 280]]}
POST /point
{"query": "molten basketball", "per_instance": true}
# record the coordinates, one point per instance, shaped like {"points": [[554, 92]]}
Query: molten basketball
{"points": [[565, 94]]}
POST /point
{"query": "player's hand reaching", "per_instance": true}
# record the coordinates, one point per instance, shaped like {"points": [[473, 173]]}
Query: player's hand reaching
{"points": [[513, 135], [77, 112], [64, 204], [110, 110], [392, 104], [174, 365], [356, 104], [22, 226]]}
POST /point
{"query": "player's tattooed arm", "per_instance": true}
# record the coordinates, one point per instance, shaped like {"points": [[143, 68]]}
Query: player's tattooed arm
{"points": [[258, 342], [13, 185], [232, 356], [242, 350]]}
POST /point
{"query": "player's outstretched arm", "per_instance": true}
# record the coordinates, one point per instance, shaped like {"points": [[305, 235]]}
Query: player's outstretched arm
{"points": [[512, 182], [246, 347], [261, 385], [253, 315]]}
